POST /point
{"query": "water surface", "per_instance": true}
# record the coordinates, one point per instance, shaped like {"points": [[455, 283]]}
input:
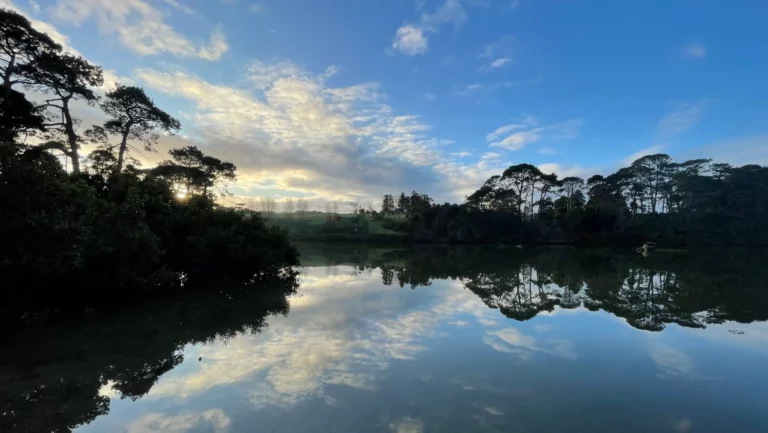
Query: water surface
{"points": [[420, 340]]}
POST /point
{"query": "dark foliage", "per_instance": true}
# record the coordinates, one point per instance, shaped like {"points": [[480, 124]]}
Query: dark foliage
{"points": [[71, 240], [692, 202]]}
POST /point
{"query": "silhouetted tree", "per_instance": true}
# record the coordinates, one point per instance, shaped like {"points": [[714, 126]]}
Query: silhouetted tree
{"points": [[134, 116]]}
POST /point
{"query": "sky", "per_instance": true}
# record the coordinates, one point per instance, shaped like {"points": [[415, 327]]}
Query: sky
{"points": [[348, 100]]}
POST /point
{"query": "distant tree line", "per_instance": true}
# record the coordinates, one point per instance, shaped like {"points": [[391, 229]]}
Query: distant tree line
{"points": [[70, 237], [406, 204], [655, 198]]}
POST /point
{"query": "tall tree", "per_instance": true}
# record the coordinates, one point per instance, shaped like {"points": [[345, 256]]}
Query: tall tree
{"points": [[651, 175], [134, 116], [522, 178], [66, 77], [20, 45], [403, 203], [569, 187], [388, 204]]}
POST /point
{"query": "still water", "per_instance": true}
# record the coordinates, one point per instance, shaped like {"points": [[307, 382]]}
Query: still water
{"points": [[416, 341]]}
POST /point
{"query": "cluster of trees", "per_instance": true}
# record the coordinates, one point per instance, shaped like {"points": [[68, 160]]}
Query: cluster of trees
{"points": [[406, 204], [655, 198], [106, 222]]}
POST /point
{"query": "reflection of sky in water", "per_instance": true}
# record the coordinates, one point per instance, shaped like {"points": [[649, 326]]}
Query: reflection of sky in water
{"points": [[357, 356]]}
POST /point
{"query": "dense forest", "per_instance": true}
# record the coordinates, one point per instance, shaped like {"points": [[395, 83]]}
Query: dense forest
{"points": [[103, 227], [654, 199]]}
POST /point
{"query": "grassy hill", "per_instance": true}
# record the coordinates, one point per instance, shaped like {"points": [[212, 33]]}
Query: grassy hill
{"points": [[317, 226]]}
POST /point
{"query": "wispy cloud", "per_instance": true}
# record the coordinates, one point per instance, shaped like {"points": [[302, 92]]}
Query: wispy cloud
{"points": [[696, 50], [210, 420], [461, 154], [496, 64], [256, 8], [511, 340], [140, 27], [176, 5], [407, 425], [470, 88], [292, 132], [499, 48], [650, 150], [736, 151], [517, 135], [474, 88], [681, 117], [411, 39]]}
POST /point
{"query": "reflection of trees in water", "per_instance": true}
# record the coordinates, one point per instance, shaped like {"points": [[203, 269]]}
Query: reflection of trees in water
{"points": [[50, 378], [649, 293]]}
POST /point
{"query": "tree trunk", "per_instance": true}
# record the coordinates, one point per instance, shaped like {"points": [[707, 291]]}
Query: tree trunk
{"points": [[121, 154], [69, 127]]}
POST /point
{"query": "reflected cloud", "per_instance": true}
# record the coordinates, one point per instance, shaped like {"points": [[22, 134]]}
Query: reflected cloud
{"points": [[510, 340], [213, 419], [407, 425], [342, 330], [493, 411], [670, 361], [683, 425]]}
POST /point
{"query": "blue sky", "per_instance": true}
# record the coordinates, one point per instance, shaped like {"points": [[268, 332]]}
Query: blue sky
{"points": [[349, 99]]}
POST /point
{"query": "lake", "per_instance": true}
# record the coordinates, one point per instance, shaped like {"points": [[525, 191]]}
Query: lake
{"points": [[417, 340]]}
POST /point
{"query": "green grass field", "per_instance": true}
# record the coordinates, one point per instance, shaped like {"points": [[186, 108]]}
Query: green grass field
{"points": [[315, 226]]}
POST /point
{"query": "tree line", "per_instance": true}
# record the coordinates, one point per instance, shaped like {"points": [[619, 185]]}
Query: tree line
{"points": [[104, 221], [655, 197]]}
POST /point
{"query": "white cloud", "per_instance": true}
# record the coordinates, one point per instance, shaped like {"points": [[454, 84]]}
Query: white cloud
{"points": [[511, 340], [34, 5], [216, 47], [292, 132], [407, 425], [450, 12], [737, 151], [213, 419], [651, 150], [682, 425], [500, 62], [491, 155], [669, 360], [176, 5], [696, 50], [139, 26], [410, 40], [493, 411], [496, 64], [516, 136], [681, 117], [500, 48], [256, 8], [430, 96], [567, 170], [461, 154], [471, 88]]}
